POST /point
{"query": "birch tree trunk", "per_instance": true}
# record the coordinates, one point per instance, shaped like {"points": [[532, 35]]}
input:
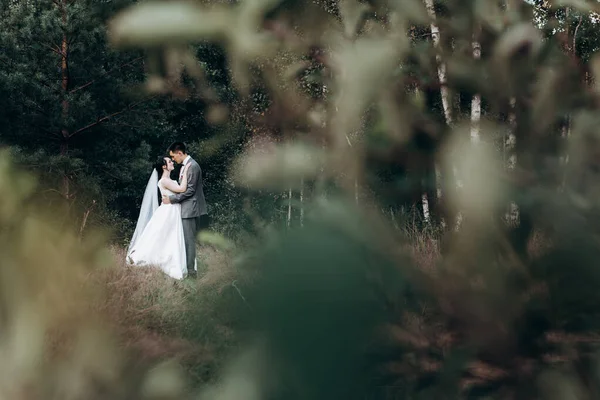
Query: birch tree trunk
{"points": [[446, 104], [441, 66], [475, 111], [302, 202], [355, 179], [289, 213], [566, 129], [428, 196], [476, 101], [425, 203], [512, 214]]}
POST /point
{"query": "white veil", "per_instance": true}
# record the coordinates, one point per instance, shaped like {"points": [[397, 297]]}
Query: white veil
{"points": [[149, 205]]}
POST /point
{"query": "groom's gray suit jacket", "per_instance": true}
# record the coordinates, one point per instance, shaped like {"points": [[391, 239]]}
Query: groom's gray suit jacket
{"points": [[192, 200]]}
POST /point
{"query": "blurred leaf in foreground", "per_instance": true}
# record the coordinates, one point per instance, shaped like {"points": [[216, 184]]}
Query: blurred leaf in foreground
{"points": [[51, 344], [319, 302]]}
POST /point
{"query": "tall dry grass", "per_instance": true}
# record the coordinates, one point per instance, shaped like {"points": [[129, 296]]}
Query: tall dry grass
{"points": [[159, 318], [198, 323]]}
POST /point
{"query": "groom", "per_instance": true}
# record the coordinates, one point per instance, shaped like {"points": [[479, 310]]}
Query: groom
{"points": [[193, 204]]}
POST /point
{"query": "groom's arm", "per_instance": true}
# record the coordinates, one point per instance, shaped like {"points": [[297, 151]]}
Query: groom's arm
{"points": [[193, 175]]}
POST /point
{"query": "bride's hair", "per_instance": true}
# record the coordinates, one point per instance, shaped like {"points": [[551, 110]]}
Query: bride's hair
{"points": [[158, 167], [159, 164]]}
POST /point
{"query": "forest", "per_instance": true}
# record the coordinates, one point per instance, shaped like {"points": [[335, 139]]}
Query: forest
{"points": [[402, 195]]}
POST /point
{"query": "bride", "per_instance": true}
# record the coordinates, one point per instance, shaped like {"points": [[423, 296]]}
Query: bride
{"points": [[158, 237]]}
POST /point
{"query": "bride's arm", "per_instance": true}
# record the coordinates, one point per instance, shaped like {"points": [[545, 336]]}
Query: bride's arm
{"points": [[174, 186]]}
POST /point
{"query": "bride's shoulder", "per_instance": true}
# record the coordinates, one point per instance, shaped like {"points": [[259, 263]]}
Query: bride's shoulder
{"points": [[163, 181]]}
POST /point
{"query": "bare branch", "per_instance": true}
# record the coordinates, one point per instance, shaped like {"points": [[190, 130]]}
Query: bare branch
{"points": [[86, 214], [53, 48], [85, 85], [107, 117]]}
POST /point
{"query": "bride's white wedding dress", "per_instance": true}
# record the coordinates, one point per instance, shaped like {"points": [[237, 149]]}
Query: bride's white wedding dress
{"points": [[161, 243]]}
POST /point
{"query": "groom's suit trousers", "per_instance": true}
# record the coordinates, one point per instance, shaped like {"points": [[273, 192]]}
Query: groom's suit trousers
{"points": [[190, 230]]}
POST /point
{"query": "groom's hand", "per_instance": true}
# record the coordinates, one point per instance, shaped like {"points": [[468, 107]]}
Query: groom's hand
{"points": [[165, 200]]}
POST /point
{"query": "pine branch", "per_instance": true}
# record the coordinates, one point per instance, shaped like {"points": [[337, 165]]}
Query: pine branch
{"points": [[34, 106], [107, 117], [32, 76], [85, 85], [55, 49]]}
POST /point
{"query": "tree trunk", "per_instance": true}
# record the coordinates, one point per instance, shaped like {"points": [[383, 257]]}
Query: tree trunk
{"points": [[448, 216], [64, 68], [475, 135], [355, 179], [441, 66], [510, 157], [430, 184], [289, 213], [425, 204], [302, 202], [476, 101], [571, 48]]}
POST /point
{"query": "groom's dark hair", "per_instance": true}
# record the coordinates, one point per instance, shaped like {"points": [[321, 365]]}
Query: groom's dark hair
{"points": [[177, 146]]}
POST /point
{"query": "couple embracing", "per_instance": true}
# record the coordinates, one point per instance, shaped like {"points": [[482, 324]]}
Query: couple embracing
{"points": [[165, 234]]}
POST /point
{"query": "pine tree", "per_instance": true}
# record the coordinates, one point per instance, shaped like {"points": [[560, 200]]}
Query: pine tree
{"points": [[68, 107]]}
